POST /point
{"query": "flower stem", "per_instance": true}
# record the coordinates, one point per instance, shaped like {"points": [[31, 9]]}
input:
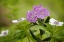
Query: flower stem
{"points": [[28, 39], [26, 34]]}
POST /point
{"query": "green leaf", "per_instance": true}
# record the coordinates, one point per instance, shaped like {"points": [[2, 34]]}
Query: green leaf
{"points": [[44, 25], [35, 23], [19, 35], [47, 20], [41, 31], [41, 23], [47, 39], [40, 20], [34, 30], [54, 39], [33, 35], [32, 24]]}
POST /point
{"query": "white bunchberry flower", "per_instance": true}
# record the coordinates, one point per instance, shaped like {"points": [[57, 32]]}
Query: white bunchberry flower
{"points": [[55, 22], [4, 33], [15, 21], [19, 20]]}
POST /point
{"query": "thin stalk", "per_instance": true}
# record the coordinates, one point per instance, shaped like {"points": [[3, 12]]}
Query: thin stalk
{"points": [[28, 39], [52, 32], [26, 34]]}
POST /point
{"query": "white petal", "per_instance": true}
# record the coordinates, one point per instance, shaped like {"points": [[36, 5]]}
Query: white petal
{"points": [[60, 24], [55, 22], [1, 35], [14, 21], [5, 31], [51, 21], [21, 19]]}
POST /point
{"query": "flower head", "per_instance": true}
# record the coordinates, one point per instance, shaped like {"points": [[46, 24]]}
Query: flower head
{"points": [[31, 16], [42, 12], [55, 22], [37, 12]]}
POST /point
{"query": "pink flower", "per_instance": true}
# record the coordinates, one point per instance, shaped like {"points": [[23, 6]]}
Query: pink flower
{"points": [[31, 16], [42, 12], [37, 12]]}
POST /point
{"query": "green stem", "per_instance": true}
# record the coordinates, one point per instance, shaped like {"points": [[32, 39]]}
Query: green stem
{"points": [[26, 33], [52, 32], [28, 39], [41, 36]]}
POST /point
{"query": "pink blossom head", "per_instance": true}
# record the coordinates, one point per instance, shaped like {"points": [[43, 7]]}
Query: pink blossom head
{"points": [[37, 12]]}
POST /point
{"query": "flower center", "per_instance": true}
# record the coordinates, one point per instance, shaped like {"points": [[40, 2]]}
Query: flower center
{"points": [[5, 33], [56, 22]]}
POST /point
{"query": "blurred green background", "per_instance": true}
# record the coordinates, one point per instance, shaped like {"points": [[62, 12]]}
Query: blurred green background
{"points": [[15, 9]]}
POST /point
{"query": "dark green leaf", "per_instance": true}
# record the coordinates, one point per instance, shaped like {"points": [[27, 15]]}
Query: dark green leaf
{"points": [[44, 25], [40, 20], [47, 20], [41, 31], [41, 23], [39, 40], [33, 35], [47, 39], [57, 39], [35, 23]]}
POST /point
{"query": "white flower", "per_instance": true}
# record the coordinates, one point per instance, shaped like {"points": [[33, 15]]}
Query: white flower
{"points": [[15, 21], [19, 20], [4, 33], [55, 22]]}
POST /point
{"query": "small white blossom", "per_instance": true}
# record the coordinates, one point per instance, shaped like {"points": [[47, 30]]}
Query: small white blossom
{"points": [[4, 33], [55, 22], [19, 20], [15, 21]]}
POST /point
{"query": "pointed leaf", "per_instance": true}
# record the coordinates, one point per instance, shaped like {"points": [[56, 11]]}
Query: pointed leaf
{"points": [[47, 39], [39, 40], [35, 23], [32, 24], [41, 22], [33, 35], [47, 20], [41, 31], [44, 25]]}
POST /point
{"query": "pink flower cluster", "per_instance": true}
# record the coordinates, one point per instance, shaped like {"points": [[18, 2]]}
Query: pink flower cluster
{"points": [[37, 12]]}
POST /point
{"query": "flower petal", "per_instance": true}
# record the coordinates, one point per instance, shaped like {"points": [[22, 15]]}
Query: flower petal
{"points": [[14, 21], [60, 24], [4, 32]]}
